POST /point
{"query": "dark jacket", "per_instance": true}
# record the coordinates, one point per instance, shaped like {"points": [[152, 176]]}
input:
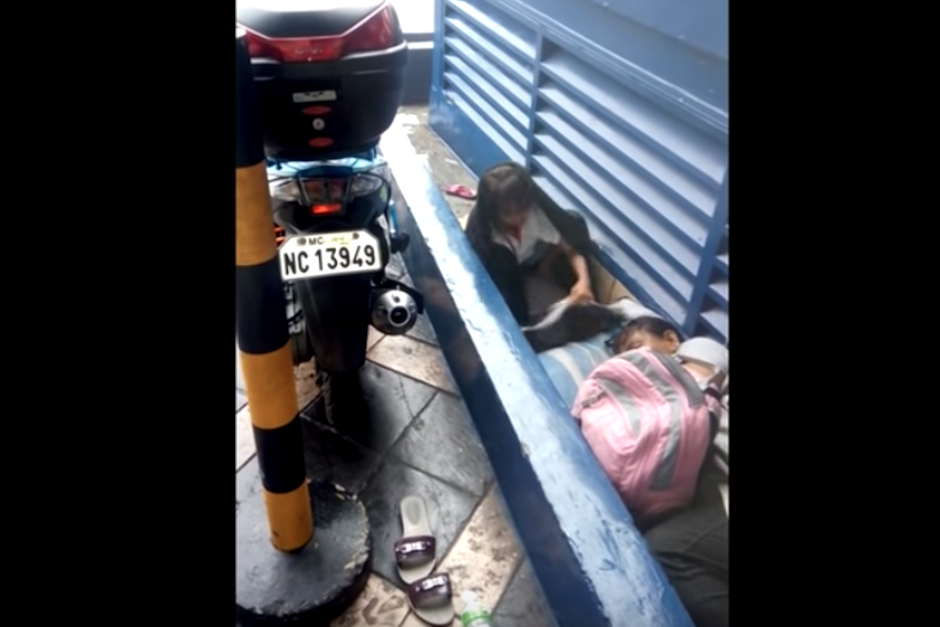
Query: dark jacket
{"points": [[501, 263]]}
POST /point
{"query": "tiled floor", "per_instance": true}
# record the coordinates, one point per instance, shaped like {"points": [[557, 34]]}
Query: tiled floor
{"points": [[416, 439]]}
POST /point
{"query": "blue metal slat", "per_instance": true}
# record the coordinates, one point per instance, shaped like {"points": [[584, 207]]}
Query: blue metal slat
{"points": [[688, 147], [491, 101], [617, 259], [702, 24], [534, 97], [682, 80], [501, 27], [512, 151], [618, 211], [663, 177], [493, 50], [486, 88], [510, 85], [462, 134], [719, 293], [683, 224], [464, 130], [716, 239], [721, 263], [623, 245], [497, 119], [633, 273], [715, 323], [671, 178], [648, 252]]}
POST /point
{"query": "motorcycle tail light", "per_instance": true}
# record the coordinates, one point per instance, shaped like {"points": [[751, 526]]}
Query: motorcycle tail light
{"points": [[324, 191], [376, 32], [366, 183], [326, 210]]}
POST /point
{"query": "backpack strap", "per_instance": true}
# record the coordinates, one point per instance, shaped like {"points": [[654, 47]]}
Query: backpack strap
{"points": [[711, 391], [714, 415]]}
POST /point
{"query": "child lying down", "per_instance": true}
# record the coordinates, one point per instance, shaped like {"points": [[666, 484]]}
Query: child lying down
{"points": [[689, 540], [650, 413], [569, 359], [705, 359], [645, 405]]}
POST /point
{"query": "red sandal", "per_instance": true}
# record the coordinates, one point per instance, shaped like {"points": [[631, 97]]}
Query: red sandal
{"points": [[461, 191]]}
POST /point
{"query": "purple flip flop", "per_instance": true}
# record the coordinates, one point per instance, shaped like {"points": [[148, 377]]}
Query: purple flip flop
{"points": [[431, 599], [415, 552]]}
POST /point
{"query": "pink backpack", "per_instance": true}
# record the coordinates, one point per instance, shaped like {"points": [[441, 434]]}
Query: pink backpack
{"points": [[647, 421]]}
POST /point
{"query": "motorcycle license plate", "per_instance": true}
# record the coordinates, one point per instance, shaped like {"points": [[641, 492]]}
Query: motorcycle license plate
{"points": [[329, 254]]}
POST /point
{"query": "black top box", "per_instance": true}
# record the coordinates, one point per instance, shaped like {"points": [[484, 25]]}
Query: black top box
{"points": [[330, 73]]}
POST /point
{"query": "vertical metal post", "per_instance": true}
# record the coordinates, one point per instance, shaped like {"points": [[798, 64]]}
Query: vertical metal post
{"points": [[716, 231], [261, 328]]}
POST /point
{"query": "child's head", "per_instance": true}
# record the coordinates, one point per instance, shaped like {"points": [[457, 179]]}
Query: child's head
{"points": [[649, 332], [506, 193]]}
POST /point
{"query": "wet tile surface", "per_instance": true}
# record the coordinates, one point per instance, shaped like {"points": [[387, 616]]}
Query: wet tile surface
{"points": [[380, 605], [399, 385], [373, 338], [243, 480], [413, 359], [523, 604], [414, 621], [443, 443], [485, 556], [305, 379], [448, 509], [244, 438], [393, 401], [423, 331], [483, 559], [331, 457], [239, 380], [446, 169]]}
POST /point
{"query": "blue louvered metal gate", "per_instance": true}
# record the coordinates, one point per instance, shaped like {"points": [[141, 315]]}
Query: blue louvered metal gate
{"points": [[620, 110]]}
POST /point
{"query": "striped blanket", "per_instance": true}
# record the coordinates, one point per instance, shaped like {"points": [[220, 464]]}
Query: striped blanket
{"points": [[569, 365]]}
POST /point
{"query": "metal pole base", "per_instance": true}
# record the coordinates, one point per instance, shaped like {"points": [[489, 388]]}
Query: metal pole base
{"points": [[312, 586]]}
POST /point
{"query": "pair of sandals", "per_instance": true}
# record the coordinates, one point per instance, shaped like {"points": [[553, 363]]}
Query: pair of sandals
{"points": [[430, 595]]}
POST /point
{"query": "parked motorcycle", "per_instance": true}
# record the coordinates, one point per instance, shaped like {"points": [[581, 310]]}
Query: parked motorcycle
{"points": [[330, 80]]}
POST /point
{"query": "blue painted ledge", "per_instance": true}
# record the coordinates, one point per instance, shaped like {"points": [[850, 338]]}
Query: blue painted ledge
{"points": [[590, 560]]}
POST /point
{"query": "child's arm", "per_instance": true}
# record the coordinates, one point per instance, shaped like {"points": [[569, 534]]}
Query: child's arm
{"points": [[581, 291]]}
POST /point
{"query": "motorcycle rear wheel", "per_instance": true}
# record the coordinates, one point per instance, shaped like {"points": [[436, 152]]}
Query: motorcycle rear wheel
{"points": [[301, 350], [342, 397]]}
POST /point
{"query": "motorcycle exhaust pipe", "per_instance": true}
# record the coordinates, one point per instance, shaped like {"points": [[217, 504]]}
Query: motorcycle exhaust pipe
{"points": [[395, 308]]}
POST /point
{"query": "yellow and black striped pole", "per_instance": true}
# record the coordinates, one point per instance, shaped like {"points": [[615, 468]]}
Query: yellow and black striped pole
{"points": [[261, 328]]}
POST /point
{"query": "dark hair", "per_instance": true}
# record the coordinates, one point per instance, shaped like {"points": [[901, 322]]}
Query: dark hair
{"points": [[650, 325], [501, 183]]}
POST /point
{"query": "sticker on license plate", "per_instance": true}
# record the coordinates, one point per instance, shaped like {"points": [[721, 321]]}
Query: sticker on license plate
{"points": [[329, 254], [327, 95]]}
